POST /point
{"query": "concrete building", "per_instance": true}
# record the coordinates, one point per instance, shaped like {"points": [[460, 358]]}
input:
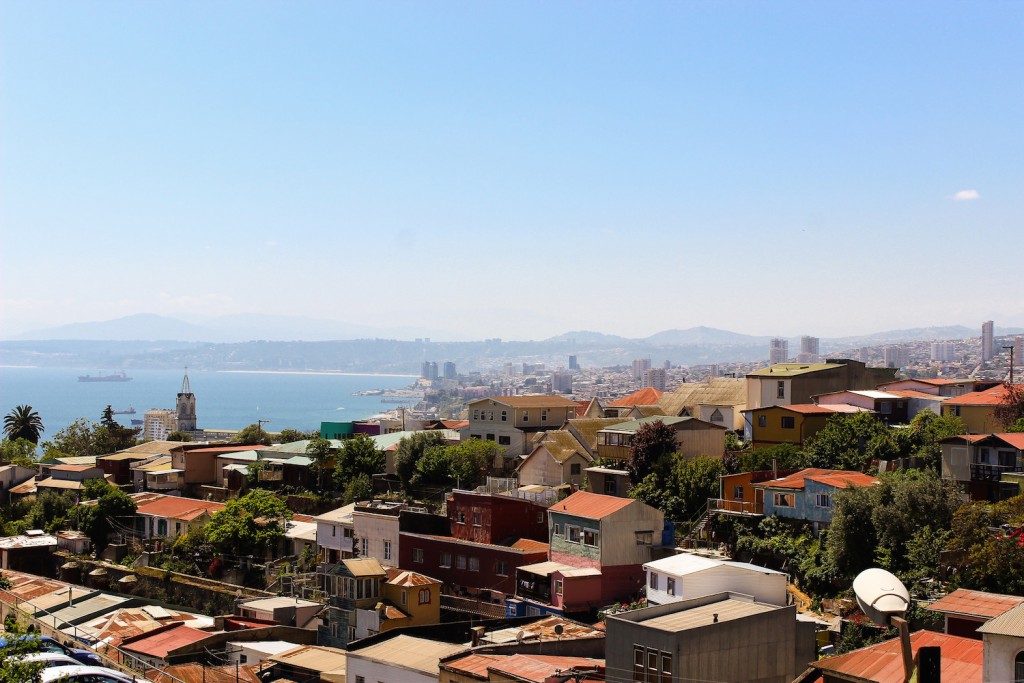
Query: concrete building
{"points": [[987, 341], [428, 370], [561, 382], [809, 350], [1018, 351], [943, 352], [158, 423], [512, 421], [403, 658], [573, 363], [449, 370], [684, 576], [721, 637], [641, 365], [895, 356], [655, 378], [787, 383], [778, 351]]}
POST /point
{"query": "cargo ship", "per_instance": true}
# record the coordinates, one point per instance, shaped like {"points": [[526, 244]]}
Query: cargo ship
{"points": [[115, 377]]}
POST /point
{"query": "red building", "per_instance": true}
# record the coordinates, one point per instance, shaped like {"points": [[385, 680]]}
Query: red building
{"points": [[495, 518]]}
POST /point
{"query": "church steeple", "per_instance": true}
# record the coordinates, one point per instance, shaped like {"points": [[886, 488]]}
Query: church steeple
{"points": [[185, 387], [186, 407]]}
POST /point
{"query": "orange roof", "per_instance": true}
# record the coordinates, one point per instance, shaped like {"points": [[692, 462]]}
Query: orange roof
{"points": [[472, 665], [808, 409], [840, 479], [402, 577], [883, 663], [455, 424], [591, 505], [159, 642], [939, 381], [541, 401], [975, 603], [539, 667], [989, 397], [174, 507], [910, 393], [528, 545], [644, 397], [197, 673], [1015, 440]]}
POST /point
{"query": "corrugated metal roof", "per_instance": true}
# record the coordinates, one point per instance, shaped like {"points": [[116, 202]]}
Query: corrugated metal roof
{"points": [[633, 425], [643, 397], [989, 397], [538, 668], [472, 665], [728, 609], [162, 641], [883, 663], [840, 479], [1009, 623], [792, 369], [545, 568], [591, 505], [538, 401], [975, 603], [313, 658], [418, 654], [720, 391]]}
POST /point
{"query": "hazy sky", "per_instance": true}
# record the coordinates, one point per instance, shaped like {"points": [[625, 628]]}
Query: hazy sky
{"points": [[515, 169]]}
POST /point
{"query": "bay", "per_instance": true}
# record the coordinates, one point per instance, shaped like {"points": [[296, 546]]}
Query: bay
{"points": [[224, 400]]}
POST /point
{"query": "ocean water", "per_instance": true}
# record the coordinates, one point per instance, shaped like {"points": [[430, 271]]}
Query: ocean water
{"points": [[224, 400]]}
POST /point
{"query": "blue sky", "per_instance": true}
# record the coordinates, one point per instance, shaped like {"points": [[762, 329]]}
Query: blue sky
{"points": [[514, 169]]}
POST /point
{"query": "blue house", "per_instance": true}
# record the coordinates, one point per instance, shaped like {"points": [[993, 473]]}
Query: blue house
{"points": [[808, 495]]}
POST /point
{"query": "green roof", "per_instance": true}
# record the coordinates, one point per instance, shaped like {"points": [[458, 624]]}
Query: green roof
{"points": [[299, 447], [386, 441], [793, 369], [634, 425]]}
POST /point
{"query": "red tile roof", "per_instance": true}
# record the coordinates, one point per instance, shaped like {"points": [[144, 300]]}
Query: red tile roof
{"points": [[159, 642], [174, 507], [883, 663], [644, 397], [989, 397], [975, 603], [591, 505], [840, 479], [402, 577]]}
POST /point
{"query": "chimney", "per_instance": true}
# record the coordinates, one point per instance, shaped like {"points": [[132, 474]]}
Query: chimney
{"points": [[478, 634]]}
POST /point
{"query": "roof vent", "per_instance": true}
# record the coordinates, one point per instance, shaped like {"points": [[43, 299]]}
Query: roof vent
{"points": [[715, 617]]}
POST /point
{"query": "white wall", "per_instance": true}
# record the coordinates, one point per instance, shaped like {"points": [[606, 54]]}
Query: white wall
{"points": [[768, 588], [374, 672], [376, 529], [1000, 652]]}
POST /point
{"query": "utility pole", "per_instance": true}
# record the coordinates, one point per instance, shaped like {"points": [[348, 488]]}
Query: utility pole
{"points": [[1010, 347], [259, 428]]}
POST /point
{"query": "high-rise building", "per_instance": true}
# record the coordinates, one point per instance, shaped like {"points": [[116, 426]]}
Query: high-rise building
{"points": [[654, 378], [449, 370], [778, 351], [158, 423], [943, 351], [987, 345], [561, 382], [1018, 350], [641, 365], [896, 356], [573, 363], [428, 370], [808, 350], [185, 411], [510, 370]]}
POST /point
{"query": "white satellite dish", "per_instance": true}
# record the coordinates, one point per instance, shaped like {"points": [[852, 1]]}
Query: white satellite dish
{"points": [[881, 595]]}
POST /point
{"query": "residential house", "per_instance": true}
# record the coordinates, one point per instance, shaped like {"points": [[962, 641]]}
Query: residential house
{"points": [[484, 517], [598, 547], [626, 406], [558, 459], [118, 466], [793, 424], [789, 383], [413, 598], [1003, 643], [693, 437], [680, 577], [157, 474], [29, 552], [168, 517], [978, 409], [199, 463], [355, 587], [722, 637], [719, 401], [738, 494], [11, 476], [404, 658], [512, 421], [521, 668], [255, 652], [334, 534], [376, 529], [964, 611], [156, 647], [808, 495], [960, 661], [311, 663], [387, 443], [938, 386], [890, 408], [69, 477], [981, 463]]}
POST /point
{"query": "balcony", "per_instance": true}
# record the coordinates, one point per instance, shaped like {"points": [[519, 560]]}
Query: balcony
{"points": [[736, 507], [986, 472]]}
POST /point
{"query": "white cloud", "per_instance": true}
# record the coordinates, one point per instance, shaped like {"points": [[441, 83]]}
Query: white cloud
{"points": [[965, 196]]}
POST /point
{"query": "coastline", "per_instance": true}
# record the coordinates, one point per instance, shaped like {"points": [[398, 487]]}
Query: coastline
{"points": [[318, 372]]}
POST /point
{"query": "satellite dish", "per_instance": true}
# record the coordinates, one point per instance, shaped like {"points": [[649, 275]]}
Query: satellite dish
{"points": [[519, 636], [881, 595]]}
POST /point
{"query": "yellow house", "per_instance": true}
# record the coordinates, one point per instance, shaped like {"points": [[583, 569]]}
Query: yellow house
{"points": [[978, 409], [410, 599], [790, 424]]}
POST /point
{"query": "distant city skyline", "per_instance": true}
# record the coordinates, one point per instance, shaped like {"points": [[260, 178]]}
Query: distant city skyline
{"points": [[785, 168]]}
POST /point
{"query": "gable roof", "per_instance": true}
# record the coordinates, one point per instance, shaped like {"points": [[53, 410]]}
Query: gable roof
{"points": [[883, 663], [586, 429], [562, 445], [719, 391], [174, 507], [535, 401], [670, 421], [1009, 623], [688, 563], [644, 397], [988, 397], [159, 642], [840, 479], [591, 505], [978, 604]]}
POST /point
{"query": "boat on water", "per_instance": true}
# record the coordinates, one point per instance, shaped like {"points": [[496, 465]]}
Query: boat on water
{"points": [[115, 377], [130, 410]]}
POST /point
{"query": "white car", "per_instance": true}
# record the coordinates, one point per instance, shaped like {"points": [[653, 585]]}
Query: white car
{"points": [[51, 659], [85, 674]]}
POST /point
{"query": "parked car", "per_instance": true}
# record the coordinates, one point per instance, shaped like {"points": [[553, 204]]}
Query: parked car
{"points": [[51, 659], [49, 644], [85, 674]]}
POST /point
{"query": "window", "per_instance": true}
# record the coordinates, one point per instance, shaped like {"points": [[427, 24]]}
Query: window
{"points": [[666, 667], [572, 534], [670, 586], [387, 550], [785, 500], [504, 416], [334, 530], [762, 420], [591, 537], [788, 422], [476, 414], [558, 586], [1018, 668], [360, 679], [461, 519], [653, 582], [540, 517], [424, 596], [737, 492], [575, 469], [645, 538], [558, 529], [526, 416], [886, 408], [177, 527], [501, 568], [609, 486], [474, 564], [490, 415], [365, 547], [781, 393], [446, 560], [823, 500], [490, 437], [404, 598], [476, 519], [504, 440], [638, 664], [717, 416], [544, 415], [460, 561], [417, 555]]}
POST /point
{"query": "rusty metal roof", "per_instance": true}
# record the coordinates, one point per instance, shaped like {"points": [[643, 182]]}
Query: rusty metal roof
{"points": [[883, 663], [975, 603], [591, 505]]}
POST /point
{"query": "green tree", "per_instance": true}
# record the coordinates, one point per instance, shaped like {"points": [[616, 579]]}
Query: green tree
{"points": [[409, 451], [434, 468], [97, 521], [250, 525], [359, 488], [293, 435], [74, 440], [21, 452], [319, 451], [107, 418], [845, 442], [253, 435], [357, 456], [23, 423], [17, 644], [989, 559], [783, 456], [112, 439], [1017, 427], [471, 460], [178, 435], [50, 511], [94, 488], [653, 443]]}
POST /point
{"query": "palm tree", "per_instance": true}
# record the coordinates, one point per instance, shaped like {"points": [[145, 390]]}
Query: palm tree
{"points": [[23, 423]]}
